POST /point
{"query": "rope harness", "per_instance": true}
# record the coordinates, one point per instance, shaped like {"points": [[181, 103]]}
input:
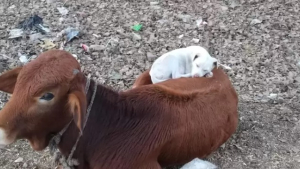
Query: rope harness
{"points": [[69, 162]]}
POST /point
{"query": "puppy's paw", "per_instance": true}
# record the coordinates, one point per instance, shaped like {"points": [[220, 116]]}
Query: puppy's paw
{"points": [[209, 75]]}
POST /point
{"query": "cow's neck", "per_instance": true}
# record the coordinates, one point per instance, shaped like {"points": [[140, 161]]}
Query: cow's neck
{"points": [[71, 135]]}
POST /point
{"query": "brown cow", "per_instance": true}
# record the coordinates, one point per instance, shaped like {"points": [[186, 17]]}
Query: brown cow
{"points": [[148, 127]]}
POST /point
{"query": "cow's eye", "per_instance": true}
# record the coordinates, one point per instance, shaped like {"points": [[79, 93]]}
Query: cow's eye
{"points": [[47, 96]]}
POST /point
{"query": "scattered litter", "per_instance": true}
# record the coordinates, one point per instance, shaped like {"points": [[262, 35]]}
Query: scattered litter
{"points": [[60, 20], [196, 40], [136, 36], [200, 22], [71, 33], [63, 10], [150, 56], [23, 58], [115, 76], [97, 36], [35, 38], [180, 36], [85, 47], [12, 7], [255, 21], [97, 47], [48, 44], [20, 159], [184, 18], [34, 23], [154, 3], [137, 27], [15, 33], [75, 56], [272, 96]]}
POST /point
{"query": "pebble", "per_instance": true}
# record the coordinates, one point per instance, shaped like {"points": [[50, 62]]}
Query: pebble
{"points": [[136, 36], [272, 96], [97, 47], [255, 21], [196, 40], [20, 159], [150, 56]]}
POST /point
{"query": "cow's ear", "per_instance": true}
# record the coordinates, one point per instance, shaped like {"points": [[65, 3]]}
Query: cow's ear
{"points": [[8, 80]]}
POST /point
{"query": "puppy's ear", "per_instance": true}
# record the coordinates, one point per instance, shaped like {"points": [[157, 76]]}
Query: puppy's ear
{"points": [[195, 57]]}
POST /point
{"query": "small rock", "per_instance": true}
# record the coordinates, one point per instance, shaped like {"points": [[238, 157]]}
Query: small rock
{"points": [[150, 56], [272, 96], [35, 38], [180, 36], [154, 3], [200, 22], [20, 159], [115, 76], [25, 165], [95, 54], [255, 21], [97, 47], [298, 64], [155, 7], [23, 58], [63, 10], [106, 34], [75, 56], [196, 40], [184, 18], [224, 8], [136, 36]]}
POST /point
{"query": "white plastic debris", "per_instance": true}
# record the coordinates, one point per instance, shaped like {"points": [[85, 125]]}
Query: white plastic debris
{"points": [[272, 96], [75, 56], [200, 22], [180, 36], [61, 20], [196, 40], [154, 3], [35, 38], [23, 58], [15, 33], [255, 21], [97, 36], [63, 10], [20, 159]]}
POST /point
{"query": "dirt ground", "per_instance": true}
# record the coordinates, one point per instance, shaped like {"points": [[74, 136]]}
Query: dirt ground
{"points": [[259, 39]]}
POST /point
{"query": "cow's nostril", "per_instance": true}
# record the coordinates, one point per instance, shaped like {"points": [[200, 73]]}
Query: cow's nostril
{"points": [[215, 63]]}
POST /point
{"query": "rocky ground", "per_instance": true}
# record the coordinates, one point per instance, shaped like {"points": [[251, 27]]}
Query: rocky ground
{"points": [[259, 39]]}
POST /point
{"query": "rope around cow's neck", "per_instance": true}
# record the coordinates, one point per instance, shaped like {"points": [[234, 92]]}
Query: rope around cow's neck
{"points": [[69, 162]]}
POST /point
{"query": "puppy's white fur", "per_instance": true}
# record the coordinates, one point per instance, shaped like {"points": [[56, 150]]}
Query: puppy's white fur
{"points": [[199, 164], [192, 61]]}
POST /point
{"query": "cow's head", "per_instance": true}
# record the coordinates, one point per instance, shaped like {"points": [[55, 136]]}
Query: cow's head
{"points": [[46, 94]]}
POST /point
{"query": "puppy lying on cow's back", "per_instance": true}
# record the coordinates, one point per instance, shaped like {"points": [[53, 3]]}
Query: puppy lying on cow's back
{"points": [[192, 61]]}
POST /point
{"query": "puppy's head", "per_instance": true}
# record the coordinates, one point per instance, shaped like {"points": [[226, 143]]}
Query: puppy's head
{"points": [[203, 63]]}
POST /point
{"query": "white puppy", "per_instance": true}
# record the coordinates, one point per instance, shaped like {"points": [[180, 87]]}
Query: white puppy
{"points": [[192, 61]]}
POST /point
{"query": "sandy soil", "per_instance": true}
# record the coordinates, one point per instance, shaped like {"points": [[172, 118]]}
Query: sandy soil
{"points": [[259, 39]]}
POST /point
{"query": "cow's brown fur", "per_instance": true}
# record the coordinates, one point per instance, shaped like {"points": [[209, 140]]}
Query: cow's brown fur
{"points": [[148, 127]]}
